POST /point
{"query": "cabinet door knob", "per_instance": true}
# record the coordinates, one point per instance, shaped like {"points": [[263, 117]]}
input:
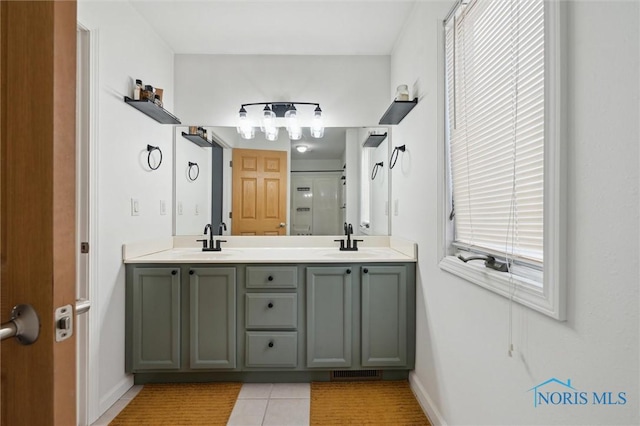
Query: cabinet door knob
{"points": [[191, 272], [270, 278], [270, 344], [270, 305], [365, 270], [348, 271], [174, 272]]}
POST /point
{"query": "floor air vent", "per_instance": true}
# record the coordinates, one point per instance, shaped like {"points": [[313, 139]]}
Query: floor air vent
{"points": [[352, 375]]}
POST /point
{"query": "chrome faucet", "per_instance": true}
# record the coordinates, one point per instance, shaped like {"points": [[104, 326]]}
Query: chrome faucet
{"points": [[348, 231]]}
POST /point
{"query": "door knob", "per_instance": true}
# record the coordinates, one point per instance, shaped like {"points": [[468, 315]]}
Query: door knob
{"points": [[24, 325], [282, 224]]}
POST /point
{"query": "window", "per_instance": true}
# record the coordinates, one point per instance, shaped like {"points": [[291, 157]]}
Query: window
{"points": [[502, 149]]}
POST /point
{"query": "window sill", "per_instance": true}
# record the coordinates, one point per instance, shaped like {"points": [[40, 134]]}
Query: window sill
{"points": [[525, 291]]}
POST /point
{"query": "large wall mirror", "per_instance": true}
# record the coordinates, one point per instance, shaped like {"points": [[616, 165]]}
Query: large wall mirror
{"points": [[331, 180]]}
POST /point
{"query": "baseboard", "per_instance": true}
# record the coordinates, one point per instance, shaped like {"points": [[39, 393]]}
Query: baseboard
{"points": [[116, 392], [425, 401]]}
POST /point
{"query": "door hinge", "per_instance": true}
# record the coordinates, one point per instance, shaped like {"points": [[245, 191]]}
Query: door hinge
{"points": [[84, 247], [230, 163], [230, 215]]}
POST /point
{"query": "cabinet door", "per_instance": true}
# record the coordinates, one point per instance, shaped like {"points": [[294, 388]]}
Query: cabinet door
{"points": [[156, 319], [384, 316], [212, 303], [329, 310]]}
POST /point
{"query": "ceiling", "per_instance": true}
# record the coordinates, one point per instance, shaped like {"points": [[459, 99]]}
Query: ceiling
{"points": [[330, 146], [277, 27]]}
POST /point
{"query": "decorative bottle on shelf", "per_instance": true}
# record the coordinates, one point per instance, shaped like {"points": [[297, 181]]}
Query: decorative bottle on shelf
{"points": [[137, 91], [157, 101], [147, 93], [402, 93]]}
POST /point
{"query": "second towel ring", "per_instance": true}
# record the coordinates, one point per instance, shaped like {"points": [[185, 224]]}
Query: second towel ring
{"points": [[150, 149], [374, 172], [196, 168], [394, 155]]}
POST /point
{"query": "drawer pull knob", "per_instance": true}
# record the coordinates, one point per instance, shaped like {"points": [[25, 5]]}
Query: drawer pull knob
{"points": [[191, 272], [365, 270], [270, 278], [174, 272], [270, 344], [270, 305], [348, 271]]}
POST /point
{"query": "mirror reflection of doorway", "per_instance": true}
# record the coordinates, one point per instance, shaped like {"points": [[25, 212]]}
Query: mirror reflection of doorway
{"points": [[259, 192], [316, 203], [317, 193]]}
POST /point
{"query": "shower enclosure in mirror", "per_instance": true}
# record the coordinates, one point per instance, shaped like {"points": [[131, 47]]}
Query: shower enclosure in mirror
{"points": [[330, 181]]}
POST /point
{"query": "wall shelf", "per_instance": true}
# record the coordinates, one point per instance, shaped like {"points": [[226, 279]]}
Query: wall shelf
{"points": [[149, 108], [374, 140], [397, 111], [197, 139]]}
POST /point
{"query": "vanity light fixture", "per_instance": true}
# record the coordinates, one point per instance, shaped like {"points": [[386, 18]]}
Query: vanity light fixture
{"points": [[279, 114], [302, 148]]}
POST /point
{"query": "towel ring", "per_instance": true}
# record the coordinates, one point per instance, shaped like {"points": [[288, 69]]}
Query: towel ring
{"points": [[150, 149], [394, 155], [195, 167], [374, 172]]}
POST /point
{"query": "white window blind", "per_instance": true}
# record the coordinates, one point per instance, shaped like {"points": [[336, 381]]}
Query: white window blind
{"points": [[494, 52]]}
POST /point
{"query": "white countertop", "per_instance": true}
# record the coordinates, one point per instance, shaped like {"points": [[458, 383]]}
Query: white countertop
{"points": [[270, 250]]}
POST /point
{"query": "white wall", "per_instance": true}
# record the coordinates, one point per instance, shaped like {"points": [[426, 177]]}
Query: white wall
{"points": [[315, 165], [462, 368], [127, 49], [351, 90]]}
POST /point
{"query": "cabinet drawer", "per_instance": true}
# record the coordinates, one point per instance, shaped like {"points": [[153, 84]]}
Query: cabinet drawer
{"points": [[272, 277], [271, 349], [271, 310]]}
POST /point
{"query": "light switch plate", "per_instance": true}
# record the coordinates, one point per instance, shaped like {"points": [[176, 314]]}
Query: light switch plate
{"points": [[180, 207], [197, 212], [396, 203], [163, 207], [135, 207]]}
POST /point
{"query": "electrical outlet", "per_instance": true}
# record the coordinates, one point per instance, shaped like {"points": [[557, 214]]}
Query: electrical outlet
{"points": [[396, 202], [135, 207], [163, 207], [179, 207]]}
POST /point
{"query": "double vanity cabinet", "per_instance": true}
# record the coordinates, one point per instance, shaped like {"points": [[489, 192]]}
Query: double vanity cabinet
{"points": [[269, 321]]}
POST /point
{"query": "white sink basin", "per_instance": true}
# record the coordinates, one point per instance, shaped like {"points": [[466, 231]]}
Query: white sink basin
{"points": [[191, 253], [360, 254]]}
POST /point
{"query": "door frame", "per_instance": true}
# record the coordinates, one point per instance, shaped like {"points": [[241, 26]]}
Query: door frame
{"points": [[89, 349]]}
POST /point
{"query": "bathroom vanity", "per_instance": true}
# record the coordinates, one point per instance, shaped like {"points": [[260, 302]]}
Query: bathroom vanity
{"points": [[270, 309]]}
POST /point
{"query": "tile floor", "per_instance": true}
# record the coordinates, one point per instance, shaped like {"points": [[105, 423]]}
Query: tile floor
{"points": [[266, 404]]}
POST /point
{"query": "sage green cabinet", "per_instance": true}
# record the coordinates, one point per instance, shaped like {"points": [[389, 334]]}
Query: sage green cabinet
{"points": [[384, 316], [329, 316], [155, 319], [252, 322], [212, 317]]}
